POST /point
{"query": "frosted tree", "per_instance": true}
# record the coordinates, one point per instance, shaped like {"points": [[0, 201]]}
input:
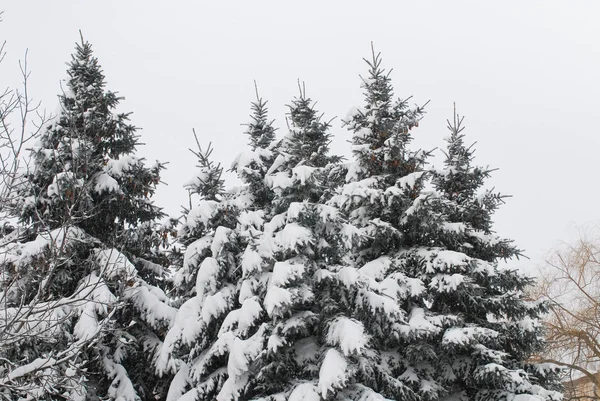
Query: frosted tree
{"points": [[242, 334], [407, 314], [368, 301], [86, 169], [485, 352], [280, 264], [205, 283], [78, 320]]}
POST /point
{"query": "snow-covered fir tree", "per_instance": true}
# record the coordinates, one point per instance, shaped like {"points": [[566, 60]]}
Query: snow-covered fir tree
{"points": [[253, 311], [86, 169], [204, 282], [484, 353], [363, 295], [415, 311], [78, 321]]}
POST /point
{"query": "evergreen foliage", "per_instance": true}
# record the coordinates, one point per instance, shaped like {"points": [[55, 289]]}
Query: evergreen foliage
{"points": [[252, 166], [315, 280], [79, 319], [297, 173], [85, 167], [253, 305]]}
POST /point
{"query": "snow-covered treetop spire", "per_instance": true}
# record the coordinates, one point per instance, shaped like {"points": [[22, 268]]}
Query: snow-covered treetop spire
{"points": [[462, 182], [380, 130], [309, 138], [87, 101], [295, 174], [458, 162], [208, 182], [260, 129]]}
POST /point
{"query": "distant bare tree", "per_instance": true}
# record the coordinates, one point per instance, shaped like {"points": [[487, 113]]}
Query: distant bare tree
{"points": [[570, 280]]}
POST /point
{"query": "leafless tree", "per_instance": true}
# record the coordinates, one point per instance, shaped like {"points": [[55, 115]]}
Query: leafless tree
{"points": [[570, 281]]}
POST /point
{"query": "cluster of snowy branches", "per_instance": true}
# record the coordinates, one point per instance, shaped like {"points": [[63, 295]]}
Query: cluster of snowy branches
{"points": [[319, 278]]}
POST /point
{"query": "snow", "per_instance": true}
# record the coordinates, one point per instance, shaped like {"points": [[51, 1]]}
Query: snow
{"points": [[418, 321], [249, 314], [328, 213], [363, 189], [378, 303], [203, 213], [293, 235], [105, 183], [409, 180], [276, 298], [275, 342], [206, 279], [350, 234], [439, 260], [416, 205], [62, 181], [116, 167], [295, 210], [242, 352], [279, 181], [213, 307], [348, 334], [251, 262], [113, 263], [121, 388], [276, 222], [377, 268], [284, 272], [305, 392], [245, 159], [178, 384], [467, 335], [153, 310], [22, 254], [333, 374], [87, 324], [349, 276], [457, 228], [278, 162], [528, 324], [191, 258], [186, 327], [37, 364], [447, 282], [219, 348], [249, 219], [303, 173], [219, 240]]}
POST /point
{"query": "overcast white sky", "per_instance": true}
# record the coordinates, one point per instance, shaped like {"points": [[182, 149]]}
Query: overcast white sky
{"points": [[526, 74]]}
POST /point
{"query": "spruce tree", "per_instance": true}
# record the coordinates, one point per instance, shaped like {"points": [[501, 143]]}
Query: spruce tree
{"points": [[368, 299], [484, 353], [86, 170], [413, 312], [204, 284], [280, 264], [213, 234], [78, 320], [241, 335]]}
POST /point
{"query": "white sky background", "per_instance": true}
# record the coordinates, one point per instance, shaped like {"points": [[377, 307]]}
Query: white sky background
{"points": [[526, 74]]}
